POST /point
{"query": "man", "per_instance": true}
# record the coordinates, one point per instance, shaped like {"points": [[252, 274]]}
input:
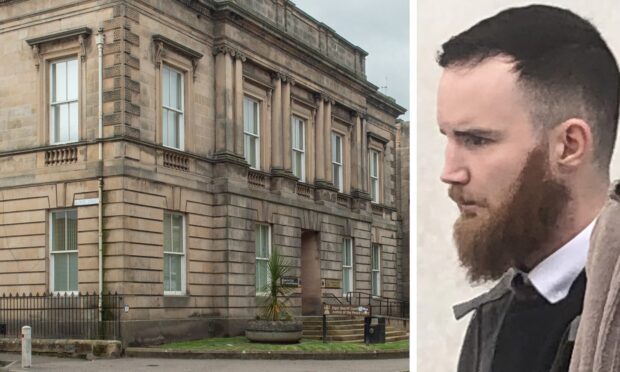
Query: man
{"points": [[528, 101]]}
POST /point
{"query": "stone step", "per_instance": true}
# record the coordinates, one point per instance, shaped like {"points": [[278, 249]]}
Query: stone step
{"points": [[351, 333], [334, 321]]}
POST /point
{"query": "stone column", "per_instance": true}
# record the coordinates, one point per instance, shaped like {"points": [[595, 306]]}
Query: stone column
{"points": [[286, 124], [276, 123], [319, 162], [327, 136], [224, 79], [239, 58], [364, 171], [355, 152]]}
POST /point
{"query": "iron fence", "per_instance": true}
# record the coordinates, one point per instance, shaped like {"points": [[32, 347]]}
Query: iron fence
{"points": [[378, 305], [54, 316]]}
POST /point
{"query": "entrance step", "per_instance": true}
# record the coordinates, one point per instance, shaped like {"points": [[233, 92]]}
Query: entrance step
{"points": [[345, 329]]}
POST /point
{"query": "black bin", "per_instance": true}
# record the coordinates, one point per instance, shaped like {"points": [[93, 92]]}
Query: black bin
{"points": [[2, 329], [374, 330]]}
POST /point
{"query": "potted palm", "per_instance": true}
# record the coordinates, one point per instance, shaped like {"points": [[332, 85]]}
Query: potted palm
{"points": [[275, 324]]}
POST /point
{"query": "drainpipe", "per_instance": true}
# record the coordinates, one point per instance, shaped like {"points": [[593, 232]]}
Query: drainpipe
{"points": [[100, 41]]}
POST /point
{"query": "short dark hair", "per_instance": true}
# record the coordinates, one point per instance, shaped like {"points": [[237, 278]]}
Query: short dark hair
{"points": [[561, 60]]}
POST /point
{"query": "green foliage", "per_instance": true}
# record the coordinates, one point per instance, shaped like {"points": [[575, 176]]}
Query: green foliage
{"points": [[274, 307]]}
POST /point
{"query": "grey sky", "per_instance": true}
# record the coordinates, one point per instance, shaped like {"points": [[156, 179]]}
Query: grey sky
{"points": [[381, 28]]}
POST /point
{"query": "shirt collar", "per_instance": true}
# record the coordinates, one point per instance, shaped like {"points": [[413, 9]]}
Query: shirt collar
{"points": [[554, 276]]}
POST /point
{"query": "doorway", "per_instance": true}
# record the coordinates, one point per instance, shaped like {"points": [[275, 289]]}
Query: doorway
{"points": [[310, 273]]}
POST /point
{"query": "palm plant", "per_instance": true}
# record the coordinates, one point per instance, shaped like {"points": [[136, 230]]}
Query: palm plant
{"points": [[277, 292]]}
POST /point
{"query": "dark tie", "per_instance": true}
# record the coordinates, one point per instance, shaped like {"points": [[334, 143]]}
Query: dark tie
{"points": [[523, 288]]}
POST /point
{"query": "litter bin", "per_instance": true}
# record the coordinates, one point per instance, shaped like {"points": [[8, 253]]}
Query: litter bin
{"points": [[2, 329], [374, 330]]}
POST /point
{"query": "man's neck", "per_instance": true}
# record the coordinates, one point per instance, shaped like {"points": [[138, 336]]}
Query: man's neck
{"points": [[568, 226]]}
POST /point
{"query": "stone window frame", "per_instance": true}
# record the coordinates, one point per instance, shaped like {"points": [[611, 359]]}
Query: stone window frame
{"points": [[183, 255], [304, 166], [262, 94], [375, 290], [52, 255], [305, 111], [179, 111], [50, 48], [351, 267], [266, 259], [343, 128], [185, 60], [334, 135], [378, 144], [257, 136]]}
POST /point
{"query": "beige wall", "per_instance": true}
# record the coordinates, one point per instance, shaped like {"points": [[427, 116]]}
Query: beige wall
{"points": [[441, 283]]}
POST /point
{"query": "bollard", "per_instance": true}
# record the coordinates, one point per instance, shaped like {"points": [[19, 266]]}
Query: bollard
{"points": [[26, 347]]}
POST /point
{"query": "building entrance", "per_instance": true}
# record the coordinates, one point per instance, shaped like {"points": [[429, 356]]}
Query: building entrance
{"points": [[310, 273]]}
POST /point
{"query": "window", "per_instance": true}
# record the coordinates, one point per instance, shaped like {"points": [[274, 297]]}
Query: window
{"points": [[172, 112], [64, 251], [337, 161], [64, 101], [374, 176], [376, 270], [174, 254], [299, 166], [347, 267], [263, 251], [251, 130]]}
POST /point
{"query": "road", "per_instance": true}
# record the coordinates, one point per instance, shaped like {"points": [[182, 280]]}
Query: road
{"points": [[47, 363]]}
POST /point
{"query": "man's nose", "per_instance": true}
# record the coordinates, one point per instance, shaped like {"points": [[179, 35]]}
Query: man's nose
{"points": [[454, 170]]}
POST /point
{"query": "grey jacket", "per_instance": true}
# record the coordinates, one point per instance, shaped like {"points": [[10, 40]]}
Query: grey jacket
{"points": [[481, 336]]}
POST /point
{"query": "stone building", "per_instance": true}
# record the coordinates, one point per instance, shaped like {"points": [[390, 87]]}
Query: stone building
{"points": [[163, 149]]}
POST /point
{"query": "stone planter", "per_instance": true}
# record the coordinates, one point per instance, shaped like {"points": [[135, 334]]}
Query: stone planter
{"points": [[274, 331]]}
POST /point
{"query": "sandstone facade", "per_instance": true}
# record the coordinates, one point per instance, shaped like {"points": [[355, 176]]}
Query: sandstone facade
{"points": [[224, 51]]}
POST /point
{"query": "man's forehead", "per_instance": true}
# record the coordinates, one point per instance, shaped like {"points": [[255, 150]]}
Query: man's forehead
{"points": [[485, 96]]}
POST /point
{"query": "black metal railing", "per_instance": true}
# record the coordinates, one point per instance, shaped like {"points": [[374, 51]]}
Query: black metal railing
{"points": [[378, 305], [54, 316]]}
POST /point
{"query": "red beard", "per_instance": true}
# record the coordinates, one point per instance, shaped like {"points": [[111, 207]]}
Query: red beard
{"points": [[506, 236]]}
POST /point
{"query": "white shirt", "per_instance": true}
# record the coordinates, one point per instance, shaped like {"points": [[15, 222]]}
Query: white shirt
{"points": [[554, 276]]}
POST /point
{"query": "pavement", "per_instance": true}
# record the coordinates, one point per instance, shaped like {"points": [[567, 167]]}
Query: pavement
{"points": [[50, 363]]}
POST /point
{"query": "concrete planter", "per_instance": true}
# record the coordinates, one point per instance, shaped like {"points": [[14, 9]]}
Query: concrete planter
{"points": [[274, 331]]}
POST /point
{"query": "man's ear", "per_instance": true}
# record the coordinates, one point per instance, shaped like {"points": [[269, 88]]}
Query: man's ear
{"points": [[572, 143]]}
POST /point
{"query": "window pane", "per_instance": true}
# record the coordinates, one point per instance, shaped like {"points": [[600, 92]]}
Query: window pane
{"points": [[373, 189], [72, 80], [63, 123], [334, 150], [255, 120], [61, 265], [177, 233], [264, 241], [297, 164], [71, 239], [58, 231], [261, 275], [61, 81], [179, 90], [253, 152], [346, 280], [167, 233], [72, 271], [73, 122], [53, 84], [300, 136], [175, 272], [337, 176], [166, 86], [167, 272], [173, 90]]}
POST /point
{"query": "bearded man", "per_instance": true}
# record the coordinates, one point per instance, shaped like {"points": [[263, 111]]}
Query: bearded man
{"points": [[528, 102]]}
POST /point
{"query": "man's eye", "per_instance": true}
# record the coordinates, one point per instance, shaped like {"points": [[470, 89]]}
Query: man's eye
{"points": [[475, 140]]}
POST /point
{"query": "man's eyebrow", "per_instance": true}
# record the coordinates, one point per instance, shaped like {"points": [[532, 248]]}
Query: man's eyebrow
{"points": [[476, 132]]}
